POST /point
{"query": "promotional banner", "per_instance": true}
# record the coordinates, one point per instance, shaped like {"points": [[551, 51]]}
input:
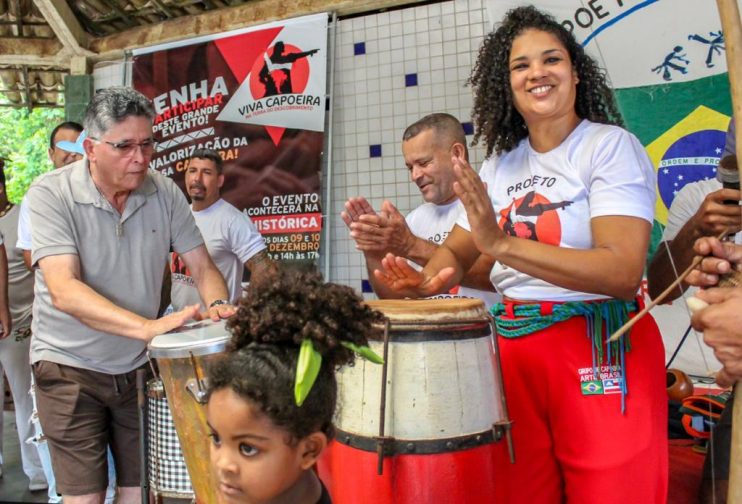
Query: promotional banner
{"points": [[257, 96], [667, 64]]}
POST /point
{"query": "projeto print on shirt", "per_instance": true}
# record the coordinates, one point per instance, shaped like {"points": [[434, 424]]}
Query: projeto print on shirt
{"points": [[533, 217]]}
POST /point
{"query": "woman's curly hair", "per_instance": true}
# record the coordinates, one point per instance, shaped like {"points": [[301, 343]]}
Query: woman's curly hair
{"points": [[494, 114], [267, 330]]}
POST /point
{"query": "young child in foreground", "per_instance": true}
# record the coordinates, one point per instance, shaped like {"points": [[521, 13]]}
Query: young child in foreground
{"points": [[272, 398]]}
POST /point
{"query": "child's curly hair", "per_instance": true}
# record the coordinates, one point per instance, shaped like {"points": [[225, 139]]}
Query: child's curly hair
{"points": [[267, 331]]}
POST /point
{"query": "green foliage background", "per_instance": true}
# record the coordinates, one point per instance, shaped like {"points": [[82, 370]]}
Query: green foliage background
{"points": [[24, 140]]}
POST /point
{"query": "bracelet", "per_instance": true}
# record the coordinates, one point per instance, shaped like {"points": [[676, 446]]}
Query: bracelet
{"points": [[218, 302]]}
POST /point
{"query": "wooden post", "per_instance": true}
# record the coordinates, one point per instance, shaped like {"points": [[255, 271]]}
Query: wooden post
{"points": [[732, 28]]}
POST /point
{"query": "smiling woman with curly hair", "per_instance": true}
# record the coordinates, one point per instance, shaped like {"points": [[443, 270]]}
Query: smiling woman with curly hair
{"points": [[497, 121], [565, 204]]}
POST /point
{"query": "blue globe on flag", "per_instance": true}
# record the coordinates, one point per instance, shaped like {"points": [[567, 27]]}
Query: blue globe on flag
{"points": [[691, 158]]}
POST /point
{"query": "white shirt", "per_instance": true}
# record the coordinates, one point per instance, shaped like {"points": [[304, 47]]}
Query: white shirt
{"points": [[551, 197], [433, 222], [231, 239], [24, 227]]}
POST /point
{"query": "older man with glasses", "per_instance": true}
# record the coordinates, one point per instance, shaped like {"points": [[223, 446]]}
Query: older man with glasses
{"points": [[103, 227]]}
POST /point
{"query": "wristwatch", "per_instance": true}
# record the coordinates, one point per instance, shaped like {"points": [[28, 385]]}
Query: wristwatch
{"points": [[218, 302]]}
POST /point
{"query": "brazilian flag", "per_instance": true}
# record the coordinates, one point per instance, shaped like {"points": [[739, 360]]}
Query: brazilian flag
{"points": [[592, 387], [683, 127]]}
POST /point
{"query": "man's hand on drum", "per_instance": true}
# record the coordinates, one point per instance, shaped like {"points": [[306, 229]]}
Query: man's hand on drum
{"points": [[377, 233], [720, 257], [169, 322], [398, 275], [219, 312], [473, 194]]}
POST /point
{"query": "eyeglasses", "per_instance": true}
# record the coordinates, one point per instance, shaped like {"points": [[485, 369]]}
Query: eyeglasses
{"points": [[127, 149]]}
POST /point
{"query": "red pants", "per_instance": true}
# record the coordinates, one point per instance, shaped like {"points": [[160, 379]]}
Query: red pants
{"points": [[573, 447]]}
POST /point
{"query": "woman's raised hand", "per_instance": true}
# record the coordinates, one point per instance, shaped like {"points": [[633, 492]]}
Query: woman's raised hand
{"points": [[473, 195]]}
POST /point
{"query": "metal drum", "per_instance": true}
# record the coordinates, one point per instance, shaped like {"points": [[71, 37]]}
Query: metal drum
{"points": [[168, 475], [182, 358], [423, 427]]}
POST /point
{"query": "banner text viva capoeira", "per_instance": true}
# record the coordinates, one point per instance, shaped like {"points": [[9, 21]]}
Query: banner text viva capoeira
{"points": [[256, 96]]}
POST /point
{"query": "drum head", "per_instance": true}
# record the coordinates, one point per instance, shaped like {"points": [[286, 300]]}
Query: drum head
{"points": [[197, 338], [410, 310]]}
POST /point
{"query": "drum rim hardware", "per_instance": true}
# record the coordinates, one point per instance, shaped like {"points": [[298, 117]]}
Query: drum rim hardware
{"points": [[506, 424], [439, 330], [382, 439], [393, 446], [197, 387]]}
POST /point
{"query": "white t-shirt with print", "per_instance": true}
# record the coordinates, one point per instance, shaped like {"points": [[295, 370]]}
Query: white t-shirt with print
{"points": [[433, 222], [231, 239], [551, 197]]}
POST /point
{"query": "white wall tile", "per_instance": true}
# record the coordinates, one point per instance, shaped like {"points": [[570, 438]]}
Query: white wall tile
{"points": [[373, 105]]}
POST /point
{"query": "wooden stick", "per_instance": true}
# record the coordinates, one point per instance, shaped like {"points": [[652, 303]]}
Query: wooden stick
{"points": [[732, 29], [633, 320]]}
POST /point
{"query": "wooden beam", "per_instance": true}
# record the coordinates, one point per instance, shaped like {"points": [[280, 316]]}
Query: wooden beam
{"points": [[16, 8], [5, 22], [57, 61], [41, 47], [248, 14], [29, 104], [35, 105], [63, 22]]}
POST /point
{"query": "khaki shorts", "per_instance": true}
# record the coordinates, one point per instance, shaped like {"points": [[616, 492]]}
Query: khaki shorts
{"points": [[81, 413]]}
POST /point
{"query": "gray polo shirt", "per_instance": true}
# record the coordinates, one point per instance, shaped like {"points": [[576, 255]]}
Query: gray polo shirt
{"points": [[122, 258]]}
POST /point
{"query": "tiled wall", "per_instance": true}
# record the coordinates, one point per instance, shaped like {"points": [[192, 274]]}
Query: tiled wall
{"points": [[390, 69]]}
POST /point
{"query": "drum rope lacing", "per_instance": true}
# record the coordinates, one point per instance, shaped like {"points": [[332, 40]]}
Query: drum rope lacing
{"points": [[514, 320]]}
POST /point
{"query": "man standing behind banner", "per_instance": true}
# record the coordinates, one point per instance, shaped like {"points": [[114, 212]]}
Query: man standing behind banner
{"points": [[230, 236], [102, 231], [427, 146]]}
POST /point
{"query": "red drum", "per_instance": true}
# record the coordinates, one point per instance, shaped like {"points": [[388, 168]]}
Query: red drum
{"points": [[442, 414]]}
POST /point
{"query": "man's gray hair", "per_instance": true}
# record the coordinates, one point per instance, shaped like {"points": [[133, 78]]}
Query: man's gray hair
{"points": [[445, 126], [113, 105]]}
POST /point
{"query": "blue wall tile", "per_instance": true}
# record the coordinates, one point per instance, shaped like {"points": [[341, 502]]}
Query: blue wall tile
{"points": [[468, 128], [410, 79], [374, 150], [359, 48]]}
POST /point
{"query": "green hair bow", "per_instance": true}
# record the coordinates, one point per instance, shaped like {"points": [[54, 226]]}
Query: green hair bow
{"points": [[310, 362]]}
